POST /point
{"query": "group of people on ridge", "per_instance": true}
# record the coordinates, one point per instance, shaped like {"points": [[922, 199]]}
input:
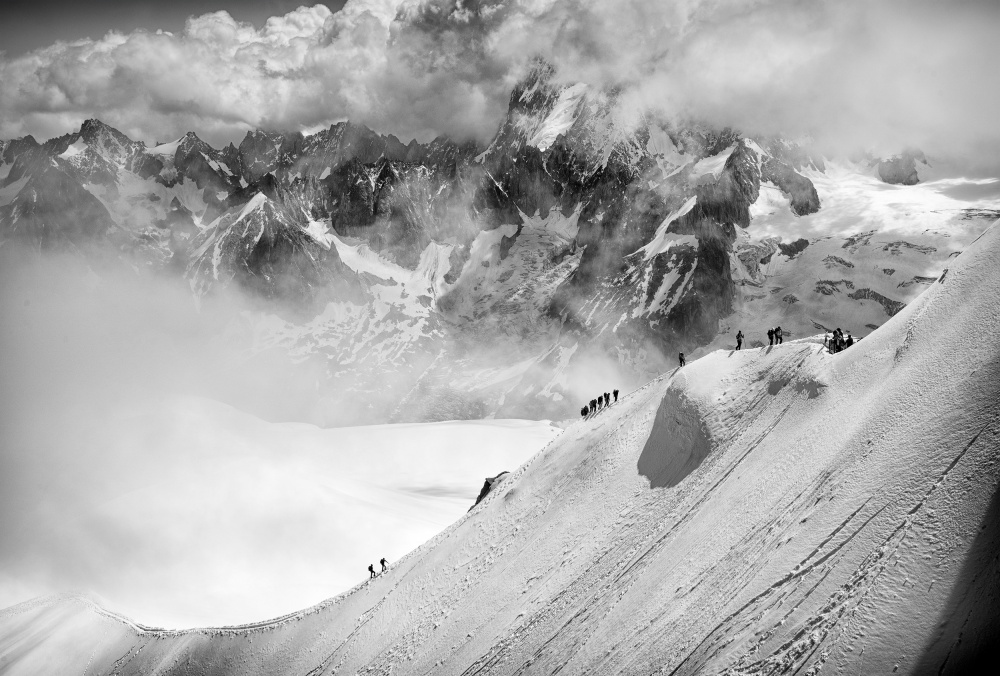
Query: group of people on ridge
{"points": [[371, 567], [774, 337], [838, 342], [603, 401]]}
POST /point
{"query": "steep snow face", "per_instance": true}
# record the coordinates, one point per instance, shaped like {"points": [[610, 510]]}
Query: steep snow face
{"points": [[218, 502], [559, 120], [167, 150], [661, 241], [770, 510], [710, 168], [10, 191], [74, 149]]}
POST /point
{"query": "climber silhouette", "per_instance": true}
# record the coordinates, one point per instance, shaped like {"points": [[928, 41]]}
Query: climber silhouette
{"points": [[680, 359], [384, 562], [616, 396], [739, 340], [371, 569]]}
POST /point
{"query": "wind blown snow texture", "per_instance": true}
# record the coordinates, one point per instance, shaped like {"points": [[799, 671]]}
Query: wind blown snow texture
{"points": [[774, 510]]}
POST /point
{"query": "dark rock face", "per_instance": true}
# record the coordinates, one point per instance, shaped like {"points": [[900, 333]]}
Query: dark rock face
{"points": [[902, 169], [728, 199], [891, 306], [800, 190], [795, 248], [263, 247], [52, 209]]}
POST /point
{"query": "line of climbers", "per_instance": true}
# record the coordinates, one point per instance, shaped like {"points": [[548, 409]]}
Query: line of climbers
{"points": [[836, 343], [595, 405], [371, 567], [774, 337]]}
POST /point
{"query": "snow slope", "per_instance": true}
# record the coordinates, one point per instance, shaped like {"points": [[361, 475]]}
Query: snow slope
{"points": [[766, 511], [190, 513]]}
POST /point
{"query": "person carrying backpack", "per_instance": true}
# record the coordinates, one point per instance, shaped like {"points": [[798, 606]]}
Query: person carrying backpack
{"points": [[616, 396], [680, 358], [739, 340], [384, 563], [777, 336], [770, 337], [371, 569]]}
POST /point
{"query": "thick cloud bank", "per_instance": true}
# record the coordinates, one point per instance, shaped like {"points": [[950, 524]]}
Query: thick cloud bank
{"points": [[875, 74]]}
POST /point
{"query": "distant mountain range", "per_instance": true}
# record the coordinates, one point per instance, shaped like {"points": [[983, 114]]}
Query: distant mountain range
{"points": [[504, 281]]}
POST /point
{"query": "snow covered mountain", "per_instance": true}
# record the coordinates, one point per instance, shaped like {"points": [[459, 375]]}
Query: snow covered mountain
{"points": [[773, 510], [579, 251]]}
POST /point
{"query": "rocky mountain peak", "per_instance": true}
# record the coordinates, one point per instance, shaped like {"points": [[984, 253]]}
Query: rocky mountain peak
{"points": [[902, 169]]}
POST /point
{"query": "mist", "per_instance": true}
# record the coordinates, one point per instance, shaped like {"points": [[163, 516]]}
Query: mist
{"points": [[132, 472]]}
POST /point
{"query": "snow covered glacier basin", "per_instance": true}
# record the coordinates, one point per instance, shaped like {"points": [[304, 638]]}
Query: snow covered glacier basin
{"points": [[193, 513]]}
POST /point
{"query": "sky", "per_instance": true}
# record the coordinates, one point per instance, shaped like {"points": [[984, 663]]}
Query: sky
{"points": [[877, 75], [32, 24]]}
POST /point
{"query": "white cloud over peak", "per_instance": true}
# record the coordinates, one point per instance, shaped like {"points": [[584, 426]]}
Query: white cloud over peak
{"points": [[875, 73]]}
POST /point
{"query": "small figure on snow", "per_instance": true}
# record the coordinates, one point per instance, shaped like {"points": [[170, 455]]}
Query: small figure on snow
{"points": [[384, 563], [371, 569], [616, 396], [739, 340], [777, 336], [680, 359], [584, 411], [849, 341], [770, 337]]}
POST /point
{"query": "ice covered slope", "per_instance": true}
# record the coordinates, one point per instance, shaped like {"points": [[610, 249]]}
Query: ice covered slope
{"points": [[766, 511]]}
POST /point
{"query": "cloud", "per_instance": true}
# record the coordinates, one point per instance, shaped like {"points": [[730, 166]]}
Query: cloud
{"points": [[879, 74]]}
